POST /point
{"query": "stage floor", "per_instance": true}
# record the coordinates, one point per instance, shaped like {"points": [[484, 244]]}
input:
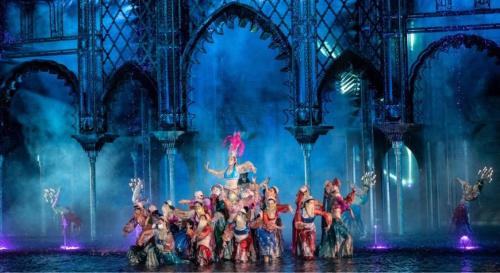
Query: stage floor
{"points": [[366, 260]]}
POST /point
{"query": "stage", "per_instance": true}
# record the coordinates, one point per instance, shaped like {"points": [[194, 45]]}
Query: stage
{"points": [[429, 254], [365, 260]]}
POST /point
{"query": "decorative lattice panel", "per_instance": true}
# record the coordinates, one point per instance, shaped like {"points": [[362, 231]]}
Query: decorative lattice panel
{"points": [[278, 11], [348, 24], [128, 29]]}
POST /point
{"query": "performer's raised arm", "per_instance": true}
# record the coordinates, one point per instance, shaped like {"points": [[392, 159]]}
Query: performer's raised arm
{"points": [[184, 215], [246, 166], [216, 173], [55, 200]]}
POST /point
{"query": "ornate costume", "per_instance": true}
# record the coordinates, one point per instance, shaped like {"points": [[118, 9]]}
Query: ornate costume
{"points": [[337, 241], [299, 199], [355, 224], [145, 250], [239, 233], [202, 238], [231, 174], [268, 234], [460, 219], [70, 221], [305, 245]]}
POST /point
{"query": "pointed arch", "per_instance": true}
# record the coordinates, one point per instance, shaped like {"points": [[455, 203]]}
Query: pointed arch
{"points": [[226, 15], [10, 84], [349, 61], [451, 41], [130, 70]]}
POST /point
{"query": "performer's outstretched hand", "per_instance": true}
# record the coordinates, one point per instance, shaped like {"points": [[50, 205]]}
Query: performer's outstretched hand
{"points": [[485, 174], [206, 165], [369, 179]]}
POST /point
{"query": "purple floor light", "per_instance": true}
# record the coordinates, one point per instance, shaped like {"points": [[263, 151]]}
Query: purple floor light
{"points": [[70, 247], [4, 245], [376, 243], [466, 243]]}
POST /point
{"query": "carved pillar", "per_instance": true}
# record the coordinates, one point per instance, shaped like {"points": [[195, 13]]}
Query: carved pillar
{"points": [[170, 42], [306, 151], [169, 141], [92, 154], [396, 147], [90, 74], [395, 59], [307, 110], [92, 144], [56, 10], [90, 71], [43, 207], [27, 9], [307, 114], [306, 136], [394, 131]]}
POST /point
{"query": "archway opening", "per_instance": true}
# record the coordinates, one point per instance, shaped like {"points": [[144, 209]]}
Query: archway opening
{"points": [[130, 109], [348, 151], [456, 100], [238, 85], [411, 192], [41, 117]]}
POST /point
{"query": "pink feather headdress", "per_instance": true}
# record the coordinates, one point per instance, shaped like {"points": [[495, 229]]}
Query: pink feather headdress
{"points": [[236, 145]]}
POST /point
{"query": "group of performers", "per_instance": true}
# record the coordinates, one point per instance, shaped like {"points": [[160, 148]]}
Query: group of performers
{"points": [[240, 220]]}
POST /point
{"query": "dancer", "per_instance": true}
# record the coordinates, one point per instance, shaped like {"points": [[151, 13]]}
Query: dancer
{"points": [[219, 222], [172, 220], [460, 219], [239, 234], [305, 245], [202, 238], [145, 250], [165, 243], [337, 241], [268, 229], [70, 222], [231, 173], [198, 197], [356, 225], [299, 199]]}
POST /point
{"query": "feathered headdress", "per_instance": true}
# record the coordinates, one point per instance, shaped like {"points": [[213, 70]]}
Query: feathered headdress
{"points": [[236, 145]]}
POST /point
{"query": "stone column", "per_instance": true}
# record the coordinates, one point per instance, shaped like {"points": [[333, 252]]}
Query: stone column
{"points": [[92, 154], [43, 206], [306, 136], [304, 49], [170, 43], [171, 151], [306, 151], [169, 141], [90, 71], [92, 144], [396, 146], [394, 131]]}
